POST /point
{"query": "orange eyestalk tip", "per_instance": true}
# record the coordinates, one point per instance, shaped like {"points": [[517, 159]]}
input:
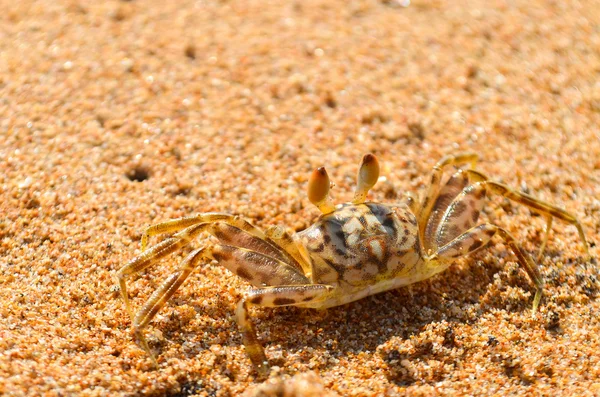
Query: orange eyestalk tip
{"points": [[368, 174], [318, 190]]}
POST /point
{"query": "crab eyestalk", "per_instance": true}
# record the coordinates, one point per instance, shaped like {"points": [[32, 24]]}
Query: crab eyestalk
{"points": [[367, 177], [318, 191]]}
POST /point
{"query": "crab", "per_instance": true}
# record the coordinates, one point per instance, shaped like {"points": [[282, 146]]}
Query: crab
{"points": [[353, 250]]}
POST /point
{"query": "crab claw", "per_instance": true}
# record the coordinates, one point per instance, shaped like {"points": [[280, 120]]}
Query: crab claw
{"points": [[318, 191], [367, 177]]}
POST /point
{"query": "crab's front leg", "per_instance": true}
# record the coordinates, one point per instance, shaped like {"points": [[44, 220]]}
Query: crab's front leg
{"points": [[435, 184], [288, 295], [164, 293], [477, 237]]}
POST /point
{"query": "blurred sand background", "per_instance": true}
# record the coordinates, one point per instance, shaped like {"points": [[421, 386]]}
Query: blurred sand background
{"points": [[118, 114]]}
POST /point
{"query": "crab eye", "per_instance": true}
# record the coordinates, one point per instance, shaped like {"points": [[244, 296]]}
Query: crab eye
{"points": [[318, 190], [367, 177]]}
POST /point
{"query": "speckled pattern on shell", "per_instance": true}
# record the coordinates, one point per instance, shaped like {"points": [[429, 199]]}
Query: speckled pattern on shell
{"points": [[357, 245]]}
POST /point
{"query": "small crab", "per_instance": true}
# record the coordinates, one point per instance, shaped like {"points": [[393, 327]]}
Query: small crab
{"points": [[353, 250]]}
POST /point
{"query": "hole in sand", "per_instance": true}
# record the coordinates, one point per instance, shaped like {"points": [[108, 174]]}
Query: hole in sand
{"points": [[138, 173]]}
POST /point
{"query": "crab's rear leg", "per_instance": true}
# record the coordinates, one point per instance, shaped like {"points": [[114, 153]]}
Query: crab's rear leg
{"points": [[175, 225], [163, 294], [154, 254], [252, 266], [537, 205], [192, 227], [284, 295], [477, 237]]}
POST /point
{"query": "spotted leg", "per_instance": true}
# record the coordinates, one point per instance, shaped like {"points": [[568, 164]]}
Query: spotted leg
{"points": [[152, 255], [443, 202], [233, 229], [477, 237], [434, 185], [537, 205], [163, 294], [178, 224], [252, 266], [285, 295], [275, 235]]}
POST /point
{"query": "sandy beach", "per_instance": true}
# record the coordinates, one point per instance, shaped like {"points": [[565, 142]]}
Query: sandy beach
{"points": [[116, 115]]}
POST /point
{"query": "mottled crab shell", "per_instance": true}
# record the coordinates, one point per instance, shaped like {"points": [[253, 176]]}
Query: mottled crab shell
{"points": [[360, 244]]}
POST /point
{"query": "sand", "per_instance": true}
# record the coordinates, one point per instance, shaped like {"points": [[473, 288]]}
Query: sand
{"points": [[116, 115]]}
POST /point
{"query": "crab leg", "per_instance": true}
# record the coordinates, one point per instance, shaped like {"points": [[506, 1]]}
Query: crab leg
{"points": [[231, 235], [434, 185], [461, 214], [253, 266], [446, 195], [256, 268], [164, 293], [178, 224], [546, 235], [152, 255], [214, 223], [288, 295], [477, 237], [535, 204]]}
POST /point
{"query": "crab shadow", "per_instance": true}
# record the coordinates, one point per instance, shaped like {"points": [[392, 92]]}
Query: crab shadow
{"points": [[412, 326], [379, 324], [401, 326]]}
